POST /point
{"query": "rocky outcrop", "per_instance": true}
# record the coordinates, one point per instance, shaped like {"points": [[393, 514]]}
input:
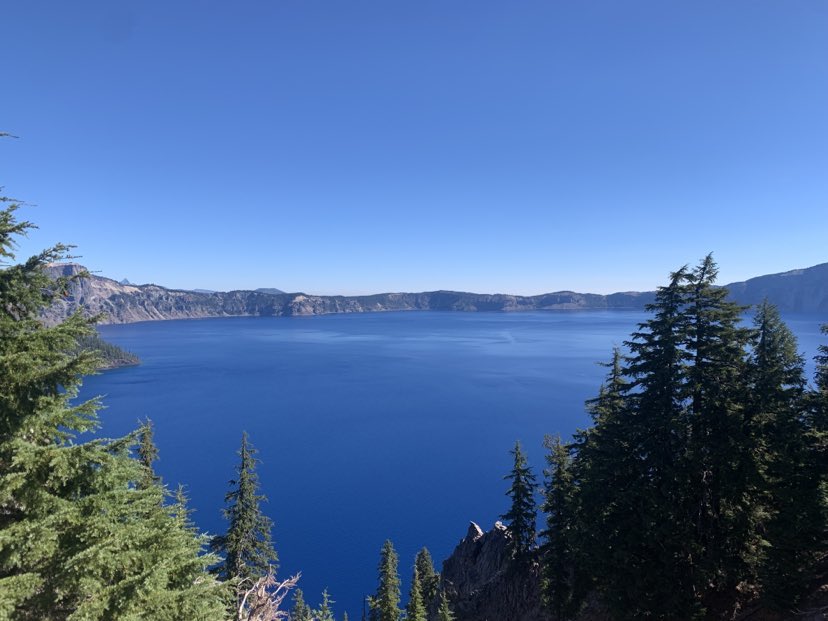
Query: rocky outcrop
{"points": [[483, 584], [800, 290]]}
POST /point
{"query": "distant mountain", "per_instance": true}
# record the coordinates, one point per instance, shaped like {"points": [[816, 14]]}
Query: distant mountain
{"points": [[803, 290], [269, 290]]}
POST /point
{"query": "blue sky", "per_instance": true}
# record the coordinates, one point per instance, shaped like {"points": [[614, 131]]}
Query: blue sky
{"points": [[365, 146]]}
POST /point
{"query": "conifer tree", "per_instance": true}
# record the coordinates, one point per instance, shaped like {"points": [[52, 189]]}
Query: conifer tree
{"points": [[78, 538], [300, 611], [247, 547], [559, 547], [147, 454], [415, 611], [385, 604], [522, 515], [444, 612], [782, 459], [324, 612], [429, 578]]}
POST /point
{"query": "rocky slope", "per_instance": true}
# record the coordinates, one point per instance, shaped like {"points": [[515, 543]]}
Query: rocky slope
{"points": [[800, 290]]}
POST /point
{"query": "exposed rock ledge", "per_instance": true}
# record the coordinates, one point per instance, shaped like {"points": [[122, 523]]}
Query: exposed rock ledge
{"points": [[800, 291]]}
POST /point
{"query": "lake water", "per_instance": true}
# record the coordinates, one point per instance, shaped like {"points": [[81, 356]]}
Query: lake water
{"points": [[369, 426]]}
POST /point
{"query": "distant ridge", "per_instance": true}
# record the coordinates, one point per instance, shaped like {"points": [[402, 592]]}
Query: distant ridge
{"points": [[804, 290]]}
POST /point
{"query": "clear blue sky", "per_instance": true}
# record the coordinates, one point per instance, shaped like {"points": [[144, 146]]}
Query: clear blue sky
{"points": [[365, 146]]}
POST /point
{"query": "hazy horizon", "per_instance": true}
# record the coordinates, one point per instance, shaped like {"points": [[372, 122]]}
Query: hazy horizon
{"points": [[372, 146]]}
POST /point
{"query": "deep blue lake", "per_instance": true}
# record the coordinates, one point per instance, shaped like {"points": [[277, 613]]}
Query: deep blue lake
{"points": [[368, 426]]}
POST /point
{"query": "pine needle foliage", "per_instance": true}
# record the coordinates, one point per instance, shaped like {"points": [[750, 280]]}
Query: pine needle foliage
{"points": [[428, 576], [522, 515], [78, 538], [385, 604], [247, 547], [701, 485], [415, 610], [444, 612]]}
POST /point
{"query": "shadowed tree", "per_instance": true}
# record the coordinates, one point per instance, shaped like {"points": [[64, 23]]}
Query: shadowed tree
{"points": [[522, 515]]}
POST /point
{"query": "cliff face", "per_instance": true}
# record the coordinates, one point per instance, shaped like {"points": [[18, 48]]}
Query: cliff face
{"points": [[127, 303], [804, 290], [801, 290], [483, 585]]}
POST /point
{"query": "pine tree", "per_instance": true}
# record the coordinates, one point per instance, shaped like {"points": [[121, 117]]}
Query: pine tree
{"points": [[559, 589], [147, 454], [444, 612], [300, 611], [78, 537], [781, 460], [522, 515], [415, 611], [429, 578], [324, 612], [385, 603], [247, 547], [725, 505]]}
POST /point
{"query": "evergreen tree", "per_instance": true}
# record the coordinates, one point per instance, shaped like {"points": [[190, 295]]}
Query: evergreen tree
{"points": [[385, 603], [415, 611], [559, 547], [522, 515], [782, 451], [247, 547], [444, 612], [324, 612], [147, 454], [429, 578], [78, 538], [300, 611]]}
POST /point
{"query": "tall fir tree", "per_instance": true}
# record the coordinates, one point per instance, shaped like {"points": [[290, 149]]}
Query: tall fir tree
{"points": [[522, 514], [325, 612], [247, 547], [78, 538], [415, 610], [147, 454], [429, 578], [559, 582], [385, 604], [300, 610], [782, 450]]}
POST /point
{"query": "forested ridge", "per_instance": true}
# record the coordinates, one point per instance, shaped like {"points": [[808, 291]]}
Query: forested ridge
{"points": [[698, 492]]}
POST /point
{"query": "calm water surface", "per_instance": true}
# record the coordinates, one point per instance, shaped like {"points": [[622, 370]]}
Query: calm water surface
{"points": [[369, 426]]}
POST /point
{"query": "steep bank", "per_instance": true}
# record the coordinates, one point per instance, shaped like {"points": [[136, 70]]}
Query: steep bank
{"points": [[803, 290]]}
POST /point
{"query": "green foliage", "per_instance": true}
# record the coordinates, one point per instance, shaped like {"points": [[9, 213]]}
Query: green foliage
{"points": [[415, 611], [78, 538], [699, 485], [385, 604], [324, 612], [300, 611], [147, 454], [522, 515], [429, 578], [559, 507], [247, 547], [111, 356], [444, 612]]}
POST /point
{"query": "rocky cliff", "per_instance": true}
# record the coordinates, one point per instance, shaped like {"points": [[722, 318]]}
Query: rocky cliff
{"points": [[483, 584], [126, 303], [800, 290]]}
